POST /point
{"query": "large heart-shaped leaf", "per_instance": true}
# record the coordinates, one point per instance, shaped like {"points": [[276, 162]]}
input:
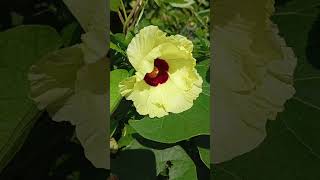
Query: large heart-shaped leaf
{"points": [[177, 127], [19, 48]]}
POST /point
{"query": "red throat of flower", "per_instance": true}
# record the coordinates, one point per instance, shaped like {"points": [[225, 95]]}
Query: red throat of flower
{"points": [[159, 75]]}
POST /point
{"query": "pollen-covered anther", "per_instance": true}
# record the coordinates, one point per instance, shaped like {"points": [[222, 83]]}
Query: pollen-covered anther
{"points": [[154, 73]]}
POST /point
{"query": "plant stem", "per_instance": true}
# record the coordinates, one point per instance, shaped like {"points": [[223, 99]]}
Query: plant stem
{"points": [[133, 11], [137, 9], [120, 17], [197, 17], [124, 10]]}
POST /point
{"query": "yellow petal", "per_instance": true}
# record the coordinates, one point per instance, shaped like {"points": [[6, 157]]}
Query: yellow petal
{"points": [[176, 57], [145, 99], [142, 49], [175, 99], [147, 64], [181, 42], [181, 66]]}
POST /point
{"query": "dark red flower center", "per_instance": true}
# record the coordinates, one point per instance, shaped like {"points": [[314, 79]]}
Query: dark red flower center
{"points": [[159, 75]]}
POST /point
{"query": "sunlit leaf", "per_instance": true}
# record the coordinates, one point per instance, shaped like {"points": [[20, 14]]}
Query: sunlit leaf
{"points": [[116, 76]]}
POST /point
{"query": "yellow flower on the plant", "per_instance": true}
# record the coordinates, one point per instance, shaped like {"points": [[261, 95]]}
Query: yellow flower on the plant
{"points": [[166, 79]]}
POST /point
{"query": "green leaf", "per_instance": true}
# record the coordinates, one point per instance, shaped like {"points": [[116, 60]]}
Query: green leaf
{"points": [[203, 144], [184, 4], [114, 5], [291, 149], [205, 155], [19, 48], [116, 77], [176, 3], [121, 40], [154, 160], [117, 48], [171, 1], [178, 127], [126, 137]]}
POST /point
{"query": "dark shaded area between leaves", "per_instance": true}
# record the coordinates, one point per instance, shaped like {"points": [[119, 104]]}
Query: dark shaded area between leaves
{"points": [[208, 75], [53, 13], [313, 46], [44, 12], [203, 173], [115, 23], [134, 166], [202, 141], [35, 157], [49, 154], [151, 144], [279, 3]]}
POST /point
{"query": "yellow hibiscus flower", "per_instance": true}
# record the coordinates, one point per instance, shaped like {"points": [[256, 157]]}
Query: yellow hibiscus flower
{"points": [[166, 79]]}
